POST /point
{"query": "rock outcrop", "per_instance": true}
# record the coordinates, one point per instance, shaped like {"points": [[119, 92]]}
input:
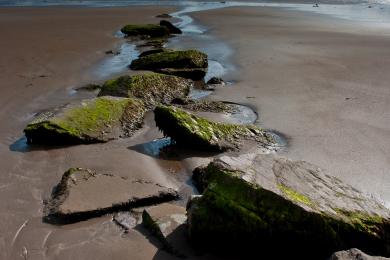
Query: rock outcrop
{"points": [[167, 222], [150, 30], [152, 88], [288, 208], [171, 28], [198, 133], [189, 64], [354, 254], [79, 195], [90, 121]]}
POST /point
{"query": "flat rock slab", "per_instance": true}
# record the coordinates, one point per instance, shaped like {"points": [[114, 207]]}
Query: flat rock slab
{"points": [[354, 254], [198, 133], [188, 63], [83, 193], [89, 121], [290, 207], [151, 88], [167, 222]]}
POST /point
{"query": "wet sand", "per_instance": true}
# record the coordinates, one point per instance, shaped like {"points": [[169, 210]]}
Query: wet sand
{"points": [[44, 53], [321, 81]]}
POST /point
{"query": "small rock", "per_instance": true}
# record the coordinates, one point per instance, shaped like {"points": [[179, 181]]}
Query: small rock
{"points": [[126, 220], [150, 30], [216, 81], [167, 222], [165, 16]]}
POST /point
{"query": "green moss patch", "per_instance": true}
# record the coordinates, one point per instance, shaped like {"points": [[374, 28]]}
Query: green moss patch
{"points": [[173, 59], [152, 88], [151, 30], [199, 133], [91, 121]]}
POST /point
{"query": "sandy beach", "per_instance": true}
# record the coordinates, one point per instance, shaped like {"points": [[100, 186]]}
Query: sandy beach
{"points": [[319, 81]]}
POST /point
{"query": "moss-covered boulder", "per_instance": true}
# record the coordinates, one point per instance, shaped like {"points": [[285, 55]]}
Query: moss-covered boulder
{"points": [[150, 30], [153, 51], [201, 134], [190, 63], [289, 209], [152, 88], [90, 121]]}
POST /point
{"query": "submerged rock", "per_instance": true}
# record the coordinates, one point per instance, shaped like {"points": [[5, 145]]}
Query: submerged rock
{"points": [[91, 121], [189, 64], [354, 254], [167, 223], [166, 16], [216, 81], [204, 105], [152, 88], [172, 29], [290, 208], [201, 134], [83, 194], [150, 30]]}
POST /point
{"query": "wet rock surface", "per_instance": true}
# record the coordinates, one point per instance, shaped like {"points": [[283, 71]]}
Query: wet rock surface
{"points": [[354, 254], [150, 30], [153, 51], [216, 81], [198, 133], [291, 208], [90, 121], [204, 105], [152, 88], [189, 64], [172, 29], [168, 223], [166, 16], [83, 193]]}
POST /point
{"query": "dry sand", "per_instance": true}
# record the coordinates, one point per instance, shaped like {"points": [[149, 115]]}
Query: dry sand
{"points": [[321, 82]]}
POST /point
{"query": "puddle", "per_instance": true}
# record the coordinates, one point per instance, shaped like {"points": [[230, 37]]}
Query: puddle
{"points": [[199, 93], [152, 148], [116, 64], [242, 115]]}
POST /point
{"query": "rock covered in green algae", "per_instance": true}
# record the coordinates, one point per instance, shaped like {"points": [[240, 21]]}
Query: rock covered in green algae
{"points": [[201, 134], [84, 193], [90, 121], [152, 88], [291, 208], [190, 63], [151, 30], [153, 51], [204, 105]]}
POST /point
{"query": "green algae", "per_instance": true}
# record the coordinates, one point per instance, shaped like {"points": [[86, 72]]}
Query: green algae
{"points": [[151, 30], [87, 122], [152, 88], [242, 214], [172, 59], [200, 133], [295, 196]]}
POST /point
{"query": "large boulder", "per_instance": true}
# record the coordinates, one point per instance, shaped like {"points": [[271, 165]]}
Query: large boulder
{"points": [[199, 133], [152, 88], [190, 63], [89, 121], [150, 30], [354, 254], [283, 208], [83, 193], [172, 29]]}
